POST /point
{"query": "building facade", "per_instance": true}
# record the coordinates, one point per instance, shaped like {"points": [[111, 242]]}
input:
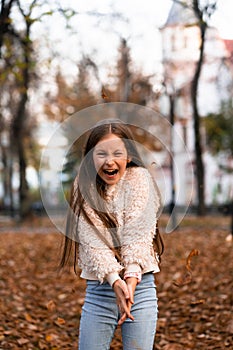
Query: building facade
{"points": [[181, 43]]}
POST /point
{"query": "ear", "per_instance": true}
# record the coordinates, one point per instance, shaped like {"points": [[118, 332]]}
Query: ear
{"points": [[129, 159]]}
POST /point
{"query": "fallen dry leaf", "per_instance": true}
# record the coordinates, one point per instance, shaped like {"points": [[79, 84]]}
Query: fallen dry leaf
{"points": [[40, 309], [28, 317], [22, 341], [60, 321], [50, 337], [51, 306]]}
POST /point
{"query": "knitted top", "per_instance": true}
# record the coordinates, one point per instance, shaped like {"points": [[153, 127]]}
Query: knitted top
{"points": [[134, 201]]}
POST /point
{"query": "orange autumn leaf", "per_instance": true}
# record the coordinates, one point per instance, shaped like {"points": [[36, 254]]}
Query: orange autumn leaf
{"points": [[104, 95], [187, 277], [50, 337], [28, 317], [60, 321], [193, 253]]}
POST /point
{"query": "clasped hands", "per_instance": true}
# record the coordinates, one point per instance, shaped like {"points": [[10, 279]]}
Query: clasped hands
{"points": [[124, 291]]}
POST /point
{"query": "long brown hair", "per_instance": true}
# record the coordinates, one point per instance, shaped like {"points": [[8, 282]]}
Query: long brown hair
{"points": [[87, 177]]}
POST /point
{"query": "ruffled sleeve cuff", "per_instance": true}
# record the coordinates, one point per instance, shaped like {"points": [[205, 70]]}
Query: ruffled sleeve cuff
{"points": [[133, 267]]}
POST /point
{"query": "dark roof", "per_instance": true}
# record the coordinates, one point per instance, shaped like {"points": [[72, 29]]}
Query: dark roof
{"points": [[181, 14]]}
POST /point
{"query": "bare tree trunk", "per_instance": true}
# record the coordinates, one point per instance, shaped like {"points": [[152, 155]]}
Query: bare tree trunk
{"points": [[125, 74], [6, 158], [19, 127], [173, 188], [4, 19], [232, 217], [18, 141], [200, 173]]}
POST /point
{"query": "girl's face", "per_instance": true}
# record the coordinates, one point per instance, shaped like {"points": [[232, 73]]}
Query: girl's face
{"points": [[110, 158]]}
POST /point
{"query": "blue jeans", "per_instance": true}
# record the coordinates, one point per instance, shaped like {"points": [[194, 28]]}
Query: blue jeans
{"points": [[100, 315]]}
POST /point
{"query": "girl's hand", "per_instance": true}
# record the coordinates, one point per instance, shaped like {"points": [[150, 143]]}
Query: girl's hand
{"points": [[131, 283], [124, 300]]}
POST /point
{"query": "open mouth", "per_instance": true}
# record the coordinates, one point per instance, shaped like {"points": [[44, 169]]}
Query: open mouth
{"points": [[111, 172]]}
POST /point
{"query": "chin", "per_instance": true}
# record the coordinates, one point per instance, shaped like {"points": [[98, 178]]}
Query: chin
{"points": [[111, 181]]}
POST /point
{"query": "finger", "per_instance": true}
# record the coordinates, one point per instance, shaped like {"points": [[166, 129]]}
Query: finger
{"points": [[124, 317], [127, 311], [125, 290], [131, 294], [126, 308], [120, 287]]}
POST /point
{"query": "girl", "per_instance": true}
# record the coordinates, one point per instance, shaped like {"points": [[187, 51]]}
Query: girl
{"points": [[112, 220]]}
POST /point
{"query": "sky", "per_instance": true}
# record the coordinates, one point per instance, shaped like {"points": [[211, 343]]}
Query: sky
{"points": [[222, 19], [99, 37]]}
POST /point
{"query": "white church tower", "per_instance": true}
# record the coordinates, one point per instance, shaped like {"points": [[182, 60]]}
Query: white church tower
{"points": [[181, 42]]}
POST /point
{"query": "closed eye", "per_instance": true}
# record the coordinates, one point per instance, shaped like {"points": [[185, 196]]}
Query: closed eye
{"points": [[101, 154], [118, 154]]}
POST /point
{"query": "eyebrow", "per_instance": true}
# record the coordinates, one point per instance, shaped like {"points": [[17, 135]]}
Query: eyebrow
{"points": [[104, 150]]}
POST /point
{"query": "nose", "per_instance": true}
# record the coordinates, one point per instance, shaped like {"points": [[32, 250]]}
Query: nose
{"points": [[109, 160]]}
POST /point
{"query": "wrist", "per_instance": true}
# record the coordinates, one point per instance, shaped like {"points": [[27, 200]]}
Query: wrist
{"points": [[136, 275], [112, 278], [116, 282]]}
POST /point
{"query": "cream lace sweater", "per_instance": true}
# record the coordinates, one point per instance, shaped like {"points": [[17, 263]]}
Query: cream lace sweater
{"points": [[134, 201]]}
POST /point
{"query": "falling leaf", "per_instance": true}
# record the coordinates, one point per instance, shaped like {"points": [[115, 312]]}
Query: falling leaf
{"points": [[193, 253], [187, 278], [104, 95]]}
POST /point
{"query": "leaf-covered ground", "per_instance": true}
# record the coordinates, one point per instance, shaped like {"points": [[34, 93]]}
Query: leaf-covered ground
{"points": [[40, 308]]}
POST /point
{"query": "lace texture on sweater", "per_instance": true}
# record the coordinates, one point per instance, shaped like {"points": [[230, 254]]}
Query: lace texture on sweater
{"points": [[135, 202]]}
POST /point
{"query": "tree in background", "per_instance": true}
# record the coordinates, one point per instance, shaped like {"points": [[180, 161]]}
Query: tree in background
{"points": [[127, 85], [219, 131], [203, 14], [72, 97], [18, 76], [130, 85], [5, 21], [19, 120], [7, 166]]}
